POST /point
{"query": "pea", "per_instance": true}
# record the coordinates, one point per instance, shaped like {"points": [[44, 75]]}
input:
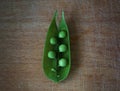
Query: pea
{"points": [[62, 48], [53, 70], [62, 34], [53, 41], [62, 62], [51, 54], [57, 48]]}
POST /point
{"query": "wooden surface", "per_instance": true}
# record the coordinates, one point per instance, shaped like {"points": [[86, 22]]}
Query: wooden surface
{"points": [[95, 44]]}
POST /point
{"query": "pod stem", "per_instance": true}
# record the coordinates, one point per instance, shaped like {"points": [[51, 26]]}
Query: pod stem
{"points": [[63, 15]]}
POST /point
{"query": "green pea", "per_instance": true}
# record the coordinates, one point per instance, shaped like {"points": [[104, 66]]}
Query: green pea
{"points": [[58, 76], [62, 34], [51, 54], [52, 69], [62, 62], [62, 48], [53, 41]]}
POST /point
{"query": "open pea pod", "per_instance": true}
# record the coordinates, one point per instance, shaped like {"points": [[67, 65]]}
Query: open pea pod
{"points": [[57, 58]]}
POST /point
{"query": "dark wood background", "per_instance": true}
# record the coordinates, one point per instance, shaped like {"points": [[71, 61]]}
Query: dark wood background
{"points": [[94, 27]]}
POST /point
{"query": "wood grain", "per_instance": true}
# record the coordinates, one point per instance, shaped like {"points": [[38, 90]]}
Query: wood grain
{"points": [[95, 44]]}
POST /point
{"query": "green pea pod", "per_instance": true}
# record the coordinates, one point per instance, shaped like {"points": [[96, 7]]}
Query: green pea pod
{"points": [[57, 58]]}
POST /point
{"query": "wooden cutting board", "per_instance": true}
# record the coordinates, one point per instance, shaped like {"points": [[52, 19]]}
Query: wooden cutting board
{"points": [[94, 27]]}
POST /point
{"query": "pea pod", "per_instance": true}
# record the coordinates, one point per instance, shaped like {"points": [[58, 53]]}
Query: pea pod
{"points": [[57, 58]]}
